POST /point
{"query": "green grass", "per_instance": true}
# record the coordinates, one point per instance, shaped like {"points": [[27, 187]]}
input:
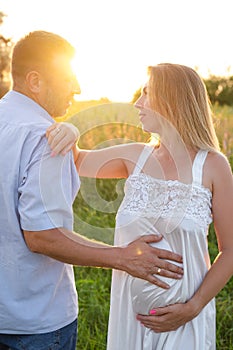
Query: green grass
{"points": [[95, 208], [94, 288]]}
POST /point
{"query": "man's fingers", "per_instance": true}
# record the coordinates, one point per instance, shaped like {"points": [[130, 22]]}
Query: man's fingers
{"points": [[162, 266], [169, 269], [165, 272], [166, 254], [149, 264], [151, 238], [154, 280], [162, 253]]}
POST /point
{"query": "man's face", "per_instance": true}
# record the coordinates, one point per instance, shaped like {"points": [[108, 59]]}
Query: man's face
{"points": [[59, 84]]}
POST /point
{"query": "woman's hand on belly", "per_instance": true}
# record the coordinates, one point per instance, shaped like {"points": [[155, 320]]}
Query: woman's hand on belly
{"points": [[168, 318]]}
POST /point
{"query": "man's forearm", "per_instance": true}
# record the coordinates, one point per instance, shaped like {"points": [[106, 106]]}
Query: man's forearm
{"points": [[71, 248], [138, 258]]}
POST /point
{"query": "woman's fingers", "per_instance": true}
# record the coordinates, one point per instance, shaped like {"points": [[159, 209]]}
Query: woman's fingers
{"points": [[62, 137]]}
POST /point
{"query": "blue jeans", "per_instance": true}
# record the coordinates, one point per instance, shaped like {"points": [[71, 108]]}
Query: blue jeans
{"points": [[62, 339]]}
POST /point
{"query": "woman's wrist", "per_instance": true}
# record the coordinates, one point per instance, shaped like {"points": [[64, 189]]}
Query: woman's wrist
{"points": [[195, 305]]}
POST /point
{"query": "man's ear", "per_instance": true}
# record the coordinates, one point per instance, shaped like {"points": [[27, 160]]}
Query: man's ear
{"points": [[33, 81]]}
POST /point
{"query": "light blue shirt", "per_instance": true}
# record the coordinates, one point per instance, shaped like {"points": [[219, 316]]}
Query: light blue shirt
{"points": [[37, 293]]}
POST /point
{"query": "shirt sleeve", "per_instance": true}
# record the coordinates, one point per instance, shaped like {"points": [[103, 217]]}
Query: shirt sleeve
{"points": [[46, 192]]}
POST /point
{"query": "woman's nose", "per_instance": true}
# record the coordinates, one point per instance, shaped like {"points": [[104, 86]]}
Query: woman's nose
{"points": [[139, 103]]}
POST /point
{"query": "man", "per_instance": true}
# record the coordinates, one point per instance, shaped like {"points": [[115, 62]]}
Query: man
{"points": [[38, 300]]}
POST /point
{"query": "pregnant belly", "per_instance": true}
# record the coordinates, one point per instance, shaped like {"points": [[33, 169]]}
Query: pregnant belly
{"points": [[146, 296]]}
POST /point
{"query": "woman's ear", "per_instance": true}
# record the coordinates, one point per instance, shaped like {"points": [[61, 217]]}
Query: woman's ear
{"points": [[33, 81]]}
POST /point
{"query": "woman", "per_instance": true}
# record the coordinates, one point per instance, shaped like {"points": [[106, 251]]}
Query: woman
{"points": [[175, 189]]}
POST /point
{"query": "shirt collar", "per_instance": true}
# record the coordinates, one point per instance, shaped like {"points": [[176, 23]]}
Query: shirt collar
{"points": [[19, 98]]}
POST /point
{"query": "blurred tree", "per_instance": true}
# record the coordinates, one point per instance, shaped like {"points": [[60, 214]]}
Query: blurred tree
{"points": [[5, 52], [220, 89]]}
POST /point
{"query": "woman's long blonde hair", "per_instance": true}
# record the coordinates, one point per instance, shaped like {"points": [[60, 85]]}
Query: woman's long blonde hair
{"points": [[178, 93]]}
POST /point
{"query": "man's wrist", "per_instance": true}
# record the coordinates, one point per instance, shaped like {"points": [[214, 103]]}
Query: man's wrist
{"points": [[119, 260]]}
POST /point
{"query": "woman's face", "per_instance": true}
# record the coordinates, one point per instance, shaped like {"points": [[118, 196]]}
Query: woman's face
{"points": [[148, 118]]}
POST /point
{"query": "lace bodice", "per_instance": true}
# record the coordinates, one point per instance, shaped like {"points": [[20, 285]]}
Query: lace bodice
{"points": [[147, 196]]}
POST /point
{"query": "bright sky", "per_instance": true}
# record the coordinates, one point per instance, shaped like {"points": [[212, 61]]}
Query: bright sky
{"points": [[117, 39]]}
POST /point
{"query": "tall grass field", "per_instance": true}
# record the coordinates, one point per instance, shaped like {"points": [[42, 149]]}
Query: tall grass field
{"points": [[95, 208]]}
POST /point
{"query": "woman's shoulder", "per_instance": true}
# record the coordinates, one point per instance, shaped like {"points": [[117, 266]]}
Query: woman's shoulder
{"points": [[217, 160], [134, 149], [132, 153], [218, 166]]}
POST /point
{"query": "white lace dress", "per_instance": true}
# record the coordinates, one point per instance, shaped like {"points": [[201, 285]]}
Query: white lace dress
{"points": [[182, 213]]}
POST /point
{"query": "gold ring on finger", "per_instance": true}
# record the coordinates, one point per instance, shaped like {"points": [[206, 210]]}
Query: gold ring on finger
{"points": [[159, 270]]}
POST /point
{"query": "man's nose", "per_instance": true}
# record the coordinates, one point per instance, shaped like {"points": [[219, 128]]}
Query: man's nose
{"points": [[76, 87]]}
